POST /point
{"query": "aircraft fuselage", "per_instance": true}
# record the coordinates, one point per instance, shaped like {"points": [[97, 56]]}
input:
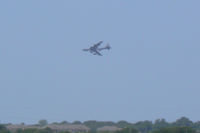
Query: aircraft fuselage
{"points": [[95, 50]]}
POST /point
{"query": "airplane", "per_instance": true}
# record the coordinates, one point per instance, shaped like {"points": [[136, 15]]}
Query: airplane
{"points": [[96, 50]]}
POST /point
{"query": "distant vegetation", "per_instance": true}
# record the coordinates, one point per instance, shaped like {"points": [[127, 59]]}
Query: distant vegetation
{"points": [[146, 126], [176, 130], [3, 129], [182, 125]]}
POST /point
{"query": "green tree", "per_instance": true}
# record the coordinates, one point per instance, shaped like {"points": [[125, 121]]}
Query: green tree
{"points": [[175, 130], [183, 122], [123, 124], [144, 126], [160, 123], [77, 122], [127, 130], [197, 125], [3, 129], [64, 122], [64, 132], [42, 122], [46, 130]]}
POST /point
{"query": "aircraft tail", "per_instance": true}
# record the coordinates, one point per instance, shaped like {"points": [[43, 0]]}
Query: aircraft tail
{"points": [[108, 46]]}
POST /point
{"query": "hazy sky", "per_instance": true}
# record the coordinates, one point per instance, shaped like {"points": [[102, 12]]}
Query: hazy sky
{"points": [[152, 70]]}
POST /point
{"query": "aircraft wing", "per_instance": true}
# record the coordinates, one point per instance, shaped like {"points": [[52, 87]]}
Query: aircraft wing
{"points": [[96, 52], [96, 45]]}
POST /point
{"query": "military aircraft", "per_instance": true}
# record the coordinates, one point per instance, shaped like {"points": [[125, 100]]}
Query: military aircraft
{"points": [[96, 50]]}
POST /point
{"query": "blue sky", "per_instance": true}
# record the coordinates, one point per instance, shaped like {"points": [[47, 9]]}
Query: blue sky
{"points": [[151, 72]]}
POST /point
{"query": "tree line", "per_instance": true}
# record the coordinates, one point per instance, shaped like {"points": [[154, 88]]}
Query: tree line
{"points": [[145, 126], [124, 130], [182, 125]]}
